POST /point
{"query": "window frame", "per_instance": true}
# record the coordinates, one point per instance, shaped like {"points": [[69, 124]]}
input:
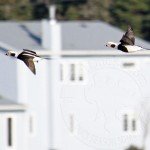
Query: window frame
{"points": [[32, 121], [72, 71], [128, 117], [11, 145]]}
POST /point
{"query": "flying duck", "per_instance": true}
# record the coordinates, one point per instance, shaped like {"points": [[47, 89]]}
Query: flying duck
{"points": [[27, 56], [127, 42]]}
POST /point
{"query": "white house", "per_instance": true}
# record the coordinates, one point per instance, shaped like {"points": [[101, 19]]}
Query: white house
{"points": [[87, 97]]}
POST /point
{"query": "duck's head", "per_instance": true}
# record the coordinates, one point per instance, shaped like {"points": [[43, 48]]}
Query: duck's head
{"points": [[112, 44], [11, 53]]}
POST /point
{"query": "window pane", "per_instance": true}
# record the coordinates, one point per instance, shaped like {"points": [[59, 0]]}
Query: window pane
{"points": [[72, 70], [71, 123], [31, 124], [61, 72], [125, 123], [9, 131], [133, 125], [81, 72]]}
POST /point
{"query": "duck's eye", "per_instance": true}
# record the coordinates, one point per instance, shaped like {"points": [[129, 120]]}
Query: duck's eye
{"points": [[113, 45]]}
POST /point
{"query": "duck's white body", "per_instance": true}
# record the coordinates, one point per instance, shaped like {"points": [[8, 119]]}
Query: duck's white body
{"points": [[132, 49]]}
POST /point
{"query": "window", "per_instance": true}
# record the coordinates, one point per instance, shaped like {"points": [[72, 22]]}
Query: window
{"points": [[80, 72], [31, 124], [73, 72], [125, 122], [10, 131], [129, 122], [61, 72], [128, 64], [71, 123], [133, 125]]}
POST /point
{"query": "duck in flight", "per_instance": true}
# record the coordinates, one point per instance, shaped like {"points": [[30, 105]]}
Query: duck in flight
{"points": [[27, 56], [127, 42]]}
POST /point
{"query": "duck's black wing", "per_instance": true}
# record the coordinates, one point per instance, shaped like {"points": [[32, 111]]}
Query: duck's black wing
{"points": [[128, 38], [29, 52], [30, 64]]}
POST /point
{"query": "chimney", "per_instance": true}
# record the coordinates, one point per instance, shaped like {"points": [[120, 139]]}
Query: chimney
{"points": [[51, 31]]}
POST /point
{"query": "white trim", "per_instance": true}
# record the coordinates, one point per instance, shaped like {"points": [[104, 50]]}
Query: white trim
{"points": [[13, 107], [91, 53], [2, 132]]}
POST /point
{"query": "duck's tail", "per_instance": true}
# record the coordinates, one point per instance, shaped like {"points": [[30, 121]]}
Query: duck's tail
{"points": [[145, 48], [45, 58], [48, 58]]}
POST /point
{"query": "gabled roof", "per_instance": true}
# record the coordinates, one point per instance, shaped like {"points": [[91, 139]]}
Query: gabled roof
{"points": [[91, 35], [76, 35], [21, 34], [7, 105]]}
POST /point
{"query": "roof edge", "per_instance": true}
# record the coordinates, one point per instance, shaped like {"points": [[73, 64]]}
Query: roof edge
{"points": [[93, 53], [13, 107], [6, 46]]}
